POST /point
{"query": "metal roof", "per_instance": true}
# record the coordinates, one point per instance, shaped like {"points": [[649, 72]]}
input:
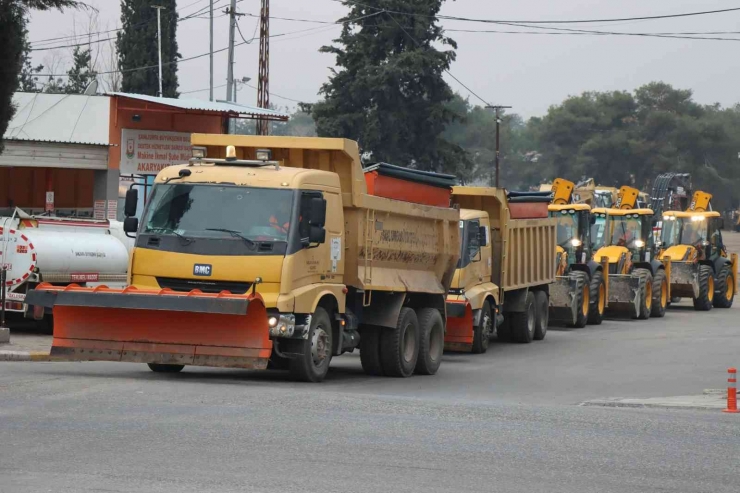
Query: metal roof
{"points": [[201, 105], [65, 118]]}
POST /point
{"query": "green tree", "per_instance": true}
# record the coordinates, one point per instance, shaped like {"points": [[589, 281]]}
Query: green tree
{"points": [[388, 92], [13, 44], [81, 74], [137, 47], [28, 77]]}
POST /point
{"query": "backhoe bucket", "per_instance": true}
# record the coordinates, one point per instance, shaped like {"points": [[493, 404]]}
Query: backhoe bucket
{"points": [[564, 306], [156, 326], [624, 294], [684, 279], [459, 333]]}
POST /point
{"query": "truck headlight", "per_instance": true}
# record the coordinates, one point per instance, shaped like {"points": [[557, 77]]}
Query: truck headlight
{"points": [[575, 242], [284, 325], [639, 243], [272, 321]]}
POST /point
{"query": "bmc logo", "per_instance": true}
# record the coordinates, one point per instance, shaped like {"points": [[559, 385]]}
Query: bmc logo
{"points": [[202, 270]]}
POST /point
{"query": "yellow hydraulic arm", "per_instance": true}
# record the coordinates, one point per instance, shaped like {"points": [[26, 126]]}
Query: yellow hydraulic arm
{"points": [[700, 202], [562, 191], [627, 198]]}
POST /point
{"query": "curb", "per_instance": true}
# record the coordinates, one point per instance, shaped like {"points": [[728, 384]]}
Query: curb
{"points": [[650, 405], [25, 356]]}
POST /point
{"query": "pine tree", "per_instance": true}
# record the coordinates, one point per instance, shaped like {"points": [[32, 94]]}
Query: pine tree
{"points": [[137, 47], [388, 92], [81, 73]]}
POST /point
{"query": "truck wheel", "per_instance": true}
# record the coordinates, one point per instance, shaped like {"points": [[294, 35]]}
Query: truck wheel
{"points": [[598, 299], [159, 368], [431, 341], [724, 288], [706, 289], [399, 347], [313, 364], [583, 297], [543, 315], [660, 294], [645, 303], [370, 351], [482, 332], [522, 323]]}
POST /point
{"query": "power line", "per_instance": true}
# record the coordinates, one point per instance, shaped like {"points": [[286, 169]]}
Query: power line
{"points": [[576, 21], [581, 32]]}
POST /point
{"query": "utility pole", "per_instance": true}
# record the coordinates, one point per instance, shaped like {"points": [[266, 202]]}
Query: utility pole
{"points": [[498, 122], [263, 75], [230, 70], [211, 55], [159, 43]]}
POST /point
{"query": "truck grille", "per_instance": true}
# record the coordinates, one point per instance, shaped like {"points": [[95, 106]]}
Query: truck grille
{"points": [[185, 285]]}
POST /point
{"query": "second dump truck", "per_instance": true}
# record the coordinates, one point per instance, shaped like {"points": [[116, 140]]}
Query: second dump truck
{"points": [[506, 266], [270, 249]]}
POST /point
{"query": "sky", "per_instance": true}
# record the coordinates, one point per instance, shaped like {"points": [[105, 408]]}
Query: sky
{"points": [[529, 72]]}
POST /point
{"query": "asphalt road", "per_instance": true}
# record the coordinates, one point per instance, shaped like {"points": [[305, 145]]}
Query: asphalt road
{"points": [[504, 421]]}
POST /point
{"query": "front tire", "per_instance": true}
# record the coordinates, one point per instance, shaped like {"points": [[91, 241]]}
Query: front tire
{"points": [[432, 341], [646, 294], [399, 347], [598, 299], [313, 364], [583, 296], [660, 294], [724, 288], [543, 315], [703, 302], [522, 323], [160, 368], [482, 331]]}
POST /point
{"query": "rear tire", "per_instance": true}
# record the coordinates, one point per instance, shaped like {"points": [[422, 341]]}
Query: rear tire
{"points": [[432, 341], [522, 323], [542, 303], [583, 296], [660, 294], [597, 306], [482, 332], [646, 293], [370, 351], [724, 288], [703, 302], [160, 368], [313, 364], [399, 347]]}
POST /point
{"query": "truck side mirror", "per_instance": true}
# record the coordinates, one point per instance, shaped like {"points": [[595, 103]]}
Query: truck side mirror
{"points": [[482, 240], [132, 202], [130, 225], [316, 235], [317, 212]]}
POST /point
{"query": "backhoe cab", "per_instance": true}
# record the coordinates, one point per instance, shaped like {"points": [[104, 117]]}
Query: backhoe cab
{"points": [[637, 284], [700, 269], [578, 295]]}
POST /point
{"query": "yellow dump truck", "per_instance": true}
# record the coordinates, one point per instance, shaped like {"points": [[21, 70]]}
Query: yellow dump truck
{"points": [[637, 284], [700, 267], [270, 249], [506, 266]]}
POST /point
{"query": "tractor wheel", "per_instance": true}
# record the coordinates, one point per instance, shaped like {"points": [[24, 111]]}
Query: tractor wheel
{"points": [[598, 299], [646, 293], [482, 332], [706, 289], [542, 303], [660, 294], [583, 297], [724, 288]]}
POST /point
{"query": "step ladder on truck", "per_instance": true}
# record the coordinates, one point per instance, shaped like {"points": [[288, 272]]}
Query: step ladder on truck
{"points": [[271, 250], [506, 265]]}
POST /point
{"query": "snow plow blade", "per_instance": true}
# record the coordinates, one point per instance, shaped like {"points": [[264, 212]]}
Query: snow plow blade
{"points": [[156, 326], [459, 333]]}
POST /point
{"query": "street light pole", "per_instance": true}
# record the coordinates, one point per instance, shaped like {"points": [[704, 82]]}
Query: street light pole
{"points": [[159, 43], [498, 122]]}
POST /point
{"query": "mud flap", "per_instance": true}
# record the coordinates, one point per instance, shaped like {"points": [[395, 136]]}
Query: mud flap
{"points": [[459, 333], [157, 326], [624, 294], [564, 299], [684, 279]]}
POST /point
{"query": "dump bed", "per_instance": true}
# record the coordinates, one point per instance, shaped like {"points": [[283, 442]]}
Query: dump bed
{"points": [[390, 245], [523, 249]]}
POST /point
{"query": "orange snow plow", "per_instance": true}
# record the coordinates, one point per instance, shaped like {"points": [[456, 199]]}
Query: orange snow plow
{"points": [[459, 335], [158, 326]]}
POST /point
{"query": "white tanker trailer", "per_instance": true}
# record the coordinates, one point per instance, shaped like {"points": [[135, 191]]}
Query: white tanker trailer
{"points": [[59, 251]]}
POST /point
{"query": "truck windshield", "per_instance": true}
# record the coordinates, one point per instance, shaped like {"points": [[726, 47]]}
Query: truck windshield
{"points": [[684, 231], [215, 211], [568, 237], [597, 232], [626, 231]]}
